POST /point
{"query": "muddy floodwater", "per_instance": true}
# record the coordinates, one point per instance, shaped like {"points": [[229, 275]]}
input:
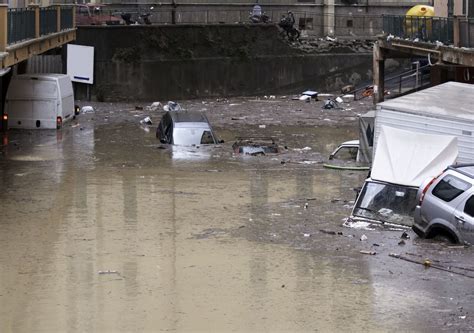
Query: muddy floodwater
{"points": [[103, 229]]}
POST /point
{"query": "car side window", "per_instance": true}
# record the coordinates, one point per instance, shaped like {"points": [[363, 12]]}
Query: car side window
{"points": [[469, 207], [207, 138], [449, 188]]}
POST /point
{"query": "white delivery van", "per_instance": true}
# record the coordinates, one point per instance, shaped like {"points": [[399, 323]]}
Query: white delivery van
{"points": [[44, 101]]}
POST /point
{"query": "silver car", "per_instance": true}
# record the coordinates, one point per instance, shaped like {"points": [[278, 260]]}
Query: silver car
{"points": [[445, 206], [185, 128]]}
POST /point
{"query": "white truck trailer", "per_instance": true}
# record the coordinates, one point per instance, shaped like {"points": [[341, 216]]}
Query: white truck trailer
{"points": [[446, 109]]}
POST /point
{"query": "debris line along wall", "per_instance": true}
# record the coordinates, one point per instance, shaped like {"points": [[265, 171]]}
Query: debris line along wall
{"points": [[194, 61]]}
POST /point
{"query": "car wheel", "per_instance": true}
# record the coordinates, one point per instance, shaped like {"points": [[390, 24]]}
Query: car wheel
{"points": [[443, 238]]}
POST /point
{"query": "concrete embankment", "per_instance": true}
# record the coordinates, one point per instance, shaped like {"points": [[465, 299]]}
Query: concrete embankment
{"points": [[193, 61]]}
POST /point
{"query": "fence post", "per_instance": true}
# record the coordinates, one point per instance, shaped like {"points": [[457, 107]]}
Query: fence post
{"points": [[36, 8], [73, 16], [3, 27], [58, 18], [456, 31]]}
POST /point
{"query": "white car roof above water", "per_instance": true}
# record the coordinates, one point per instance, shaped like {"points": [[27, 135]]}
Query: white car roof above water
{"points": [[350, 143], [447, 100], [49, 76], [409, 158]]}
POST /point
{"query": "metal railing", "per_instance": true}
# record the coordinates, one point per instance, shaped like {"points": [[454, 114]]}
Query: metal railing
{"points": [[315, 24], [466, 32], [67, 17], [48, 21], [428, 29], [22, 25], [402, 83]]}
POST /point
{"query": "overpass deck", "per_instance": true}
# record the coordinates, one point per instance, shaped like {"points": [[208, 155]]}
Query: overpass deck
{"points": [[25, 32]]}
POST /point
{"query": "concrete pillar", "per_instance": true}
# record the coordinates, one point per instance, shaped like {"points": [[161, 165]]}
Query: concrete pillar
{"points": [[329, 17], [379, 74], [3, 27]]}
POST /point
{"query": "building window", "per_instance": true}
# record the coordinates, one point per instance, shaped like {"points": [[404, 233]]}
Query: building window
{"points": [[349, 23]]}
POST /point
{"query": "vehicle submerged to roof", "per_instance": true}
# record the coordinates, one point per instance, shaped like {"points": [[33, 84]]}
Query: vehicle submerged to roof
{"points": [[255, 146], [185, 128], [347, 150]]}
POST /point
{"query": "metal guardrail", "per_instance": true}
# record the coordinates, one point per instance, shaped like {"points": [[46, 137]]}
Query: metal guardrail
{"points": [[22, 25], [48, 21], [314, 23], [67, 17], [399, 84], [428, 29]]}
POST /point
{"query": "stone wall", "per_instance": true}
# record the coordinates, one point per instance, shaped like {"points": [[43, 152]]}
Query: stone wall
{"points": [[193, 61]]}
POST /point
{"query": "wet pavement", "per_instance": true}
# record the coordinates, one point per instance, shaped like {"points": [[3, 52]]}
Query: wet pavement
{"points": [[104, 229]]}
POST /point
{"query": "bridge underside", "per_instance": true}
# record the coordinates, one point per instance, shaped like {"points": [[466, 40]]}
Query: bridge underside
{"points": [[19, 52], [460, 61]]}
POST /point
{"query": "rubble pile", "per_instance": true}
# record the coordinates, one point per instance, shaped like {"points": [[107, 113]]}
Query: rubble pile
{"points": [[327, 45]]}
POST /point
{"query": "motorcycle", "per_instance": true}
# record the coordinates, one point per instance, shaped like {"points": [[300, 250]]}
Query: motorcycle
{"points": [[287, 24]]}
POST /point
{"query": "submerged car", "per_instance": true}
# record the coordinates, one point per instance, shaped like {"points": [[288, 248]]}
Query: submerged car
{"points": [[445, 208], [346, 151], [255, 146], [185, 128]]}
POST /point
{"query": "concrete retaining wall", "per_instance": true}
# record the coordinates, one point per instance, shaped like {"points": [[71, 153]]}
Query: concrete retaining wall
{"points": [[192, 61]]}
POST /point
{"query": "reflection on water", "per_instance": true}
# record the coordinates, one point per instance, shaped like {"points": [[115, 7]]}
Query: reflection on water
{"points": [[105, 205]]}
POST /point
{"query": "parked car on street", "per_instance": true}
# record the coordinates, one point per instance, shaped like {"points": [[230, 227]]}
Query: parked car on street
{"points": [[346, 151], [94, 14], [185, 128], [445, 208]]}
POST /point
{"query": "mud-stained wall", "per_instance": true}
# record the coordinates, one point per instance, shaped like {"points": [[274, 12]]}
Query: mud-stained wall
{"points": [[161, 62]]}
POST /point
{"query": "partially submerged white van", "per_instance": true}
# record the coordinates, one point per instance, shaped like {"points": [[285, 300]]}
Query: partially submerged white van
{"points": [[44, 101]]}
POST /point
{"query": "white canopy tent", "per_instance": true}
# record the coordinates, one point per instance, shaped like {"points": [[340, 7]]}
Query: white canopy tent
{"points": [[408, 158]]}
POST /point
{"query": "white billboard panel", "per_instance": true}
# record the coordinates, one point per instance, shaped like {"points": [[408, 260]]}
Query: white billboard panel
{"points": [[80, 63]]}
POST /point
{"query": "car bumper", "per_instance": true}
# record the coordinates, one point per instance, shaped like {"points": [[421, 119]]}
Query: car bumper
{"points": [[419, 226]]}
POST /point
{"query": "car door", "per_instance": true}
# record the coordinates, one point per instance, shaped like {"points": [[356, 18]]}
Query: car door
{"points": [[464, 219]]}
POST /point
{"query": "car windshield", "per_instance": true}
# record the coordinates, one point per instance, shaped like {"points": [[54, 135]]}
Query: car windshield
{"points": [[386, 203], [192, 136], [346, 153]]}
